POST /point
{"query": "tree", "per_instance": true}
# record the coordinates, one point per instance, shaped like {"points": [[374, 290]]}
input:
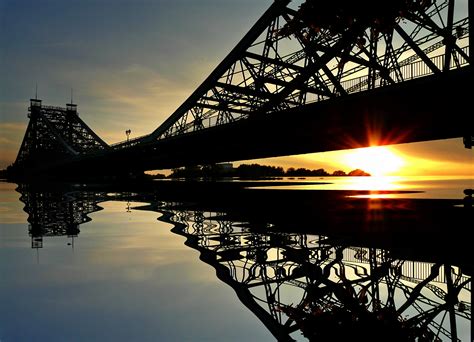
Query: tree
{"points": [[339, 173], [319, 173], [358, 172], [257, 171]]}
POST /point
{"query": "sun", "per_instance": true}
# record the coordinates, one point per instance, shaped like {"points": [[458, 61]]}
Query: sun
{"points": [[378, 160]]}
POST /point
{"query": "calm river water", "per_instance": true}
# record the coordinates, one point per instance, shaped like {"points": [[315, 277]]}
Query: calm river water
{"points": [[244, 262]]}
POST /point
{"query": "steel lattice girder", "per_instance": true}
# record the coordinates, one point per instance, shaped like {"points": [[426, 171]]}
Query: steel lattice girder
{"points": [[269, 72]]}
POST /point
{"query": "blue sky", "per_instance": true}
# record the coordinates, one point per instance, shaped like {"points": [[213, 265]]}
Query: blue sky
{"points": [[130, 62]]}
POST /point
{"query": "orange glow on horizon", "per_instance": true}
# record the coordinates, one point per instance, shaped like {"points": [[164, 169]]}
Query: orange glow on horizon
{"points": [[440, 158], [377, 160]]}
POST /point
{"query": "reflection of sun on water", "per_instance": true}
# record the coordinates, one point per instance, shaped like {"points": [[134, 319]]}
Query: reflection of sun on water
{"points": [[378, 183], [378, 161]]}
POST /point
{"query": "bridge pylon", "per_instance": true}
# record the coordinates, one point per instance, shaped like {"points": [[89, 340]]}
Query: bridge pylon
{"points": [[54, 134]]}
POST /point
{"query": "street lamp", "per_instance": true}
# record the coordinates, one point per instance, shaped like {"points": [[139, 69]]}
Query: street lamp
{"points": [[127, 132]]}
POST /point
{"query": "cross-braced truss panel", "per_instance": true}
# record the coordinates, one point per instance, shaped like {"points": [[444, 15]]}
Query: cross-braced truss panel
{"points": [[285, 61]]}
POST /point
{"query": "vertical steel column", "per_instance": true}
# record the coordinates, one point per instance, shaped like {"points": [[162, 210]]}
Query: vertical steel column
{"points": [[449, 40]]}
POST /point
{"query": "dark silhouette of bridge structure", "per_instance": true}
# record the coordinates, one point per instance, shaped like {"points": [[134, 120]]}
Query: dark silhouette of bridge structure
{"points": [[292, 85]]}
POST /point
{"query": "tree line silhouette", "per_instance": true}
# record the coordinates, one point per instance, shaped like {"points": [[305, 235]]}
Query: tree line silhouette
{"points": [[255, 171]]}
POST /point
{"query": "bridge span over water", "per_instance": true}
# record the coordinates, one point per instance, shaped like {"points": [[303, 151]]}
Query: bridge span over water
{"points": [[301, 80]]}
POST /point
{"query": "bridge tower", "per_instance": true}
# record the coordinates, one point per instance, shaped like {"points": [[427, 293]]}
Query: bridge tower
{"points": [[54, 134]]}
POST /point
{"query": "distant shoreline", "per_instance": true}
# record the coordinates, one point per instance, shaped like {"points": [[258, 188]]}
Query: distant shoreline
{"points": [[255, 171]]}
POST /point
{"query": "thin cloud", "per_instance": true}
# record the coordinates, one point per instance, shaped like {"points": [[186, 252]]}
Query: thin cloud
{"points": [[5, 141], [136, 98], [12, 127]]}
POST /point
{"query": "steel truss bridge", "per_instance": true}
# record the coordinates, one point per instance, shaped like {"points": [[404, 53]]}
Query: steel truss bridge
{"points": [[289, 87], [287, 279]]}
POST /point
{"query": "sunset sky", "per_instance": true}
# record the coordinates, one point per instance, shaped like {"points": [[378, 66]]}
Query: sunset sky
{"points": [[133, 62]]}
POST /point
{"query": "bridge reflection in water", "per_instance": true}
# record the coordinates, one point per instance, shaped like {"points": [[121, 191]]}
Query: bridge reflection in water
{"points": [[295, 283]]}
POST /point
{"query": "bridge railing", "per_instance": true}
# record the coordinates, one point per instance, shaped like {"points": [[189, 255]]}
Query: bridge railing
{"points": [[409, 72], [127, 143]]}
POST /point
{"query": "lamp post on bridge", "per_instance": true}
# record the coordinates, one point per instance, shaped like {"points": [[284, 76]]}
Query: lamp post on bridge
{"points": [[127, 132]]}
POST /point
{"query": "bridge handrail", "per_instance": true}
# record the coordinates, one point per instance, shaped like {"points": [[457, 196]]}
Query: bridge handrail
{"points": [[415, 70], [128, 143]]}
